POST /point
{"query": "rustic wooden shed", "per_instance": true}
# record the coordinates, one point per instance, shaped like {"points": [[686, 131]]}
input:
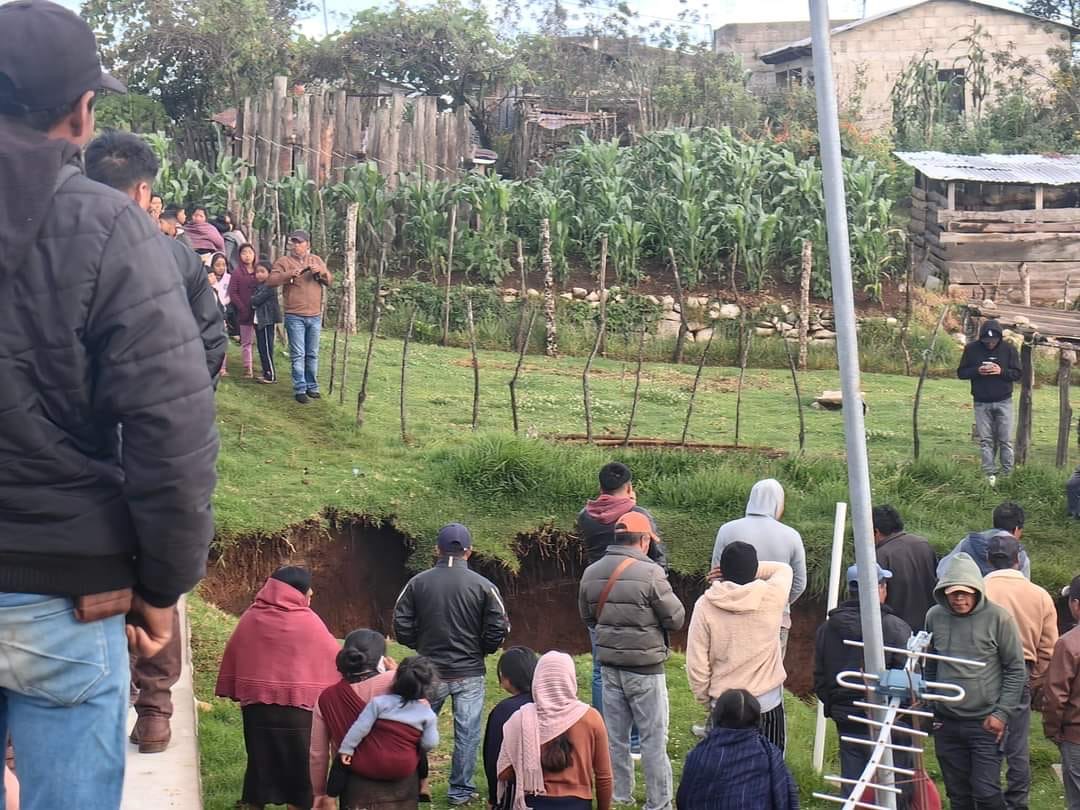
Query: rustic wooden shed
{"points": [[999, 226]]}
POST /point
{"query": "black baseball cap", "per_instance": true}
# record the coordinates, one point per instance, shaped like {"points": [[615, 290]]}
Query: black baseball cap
{"points": [[454, 538], [49, 57], [1003, 547]]}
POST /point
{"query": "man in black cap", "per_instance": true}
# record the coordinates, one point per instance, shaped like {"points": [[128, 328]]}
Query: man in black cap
{"points": [[303, 275], [993, 366], [455, 617], [95, 332]]}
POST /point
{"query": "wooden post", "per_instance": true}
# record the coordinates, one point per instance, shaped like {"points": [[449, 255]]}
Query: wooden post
{"points": [[905, 331], [804, 302], [348, 302], [475, 362], [376, 313], [517, 369], [1066, 293], [1066, 358], [1038, 198], [524, 298], [449, 275], [798, 396], [744, 356], [277, 125], [1027, 384], [922, 379], [404, 358], [697, 379], [551, 338], [684, 326], [1025, 280], [637, 386], [333, 346], [603, 295], [952, 195], [596, 344]]}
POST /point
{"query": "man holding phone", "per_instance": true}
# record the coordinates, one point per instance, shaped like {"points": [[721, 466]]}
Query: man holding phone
{"points": [[993, 366], [303, 275]]}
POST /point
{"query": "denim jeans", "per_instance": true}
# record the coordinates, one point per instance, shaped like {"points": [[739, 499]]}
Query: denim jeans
{"points": [[631, 698], [1018, 755], [598, 693], [994, 426], [303, 332], [970, 760], [63, 699], [1070, 772], [468, 703]]}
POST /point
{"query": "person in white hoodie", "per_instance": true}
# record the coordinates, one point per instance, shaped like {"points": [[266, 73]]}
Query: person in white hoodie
{"points": [[734, 638], [773, 541]]}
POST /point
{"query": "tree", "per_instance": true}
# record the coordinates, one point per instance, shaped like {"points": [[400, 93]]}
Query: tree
{"points": [[446, 49], [1066, 11], [194, 56]]}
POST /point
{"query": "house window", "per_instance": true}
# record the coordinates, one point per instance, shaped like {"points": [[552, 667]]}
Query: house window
{"points": [[954, 91], [789, 78]]}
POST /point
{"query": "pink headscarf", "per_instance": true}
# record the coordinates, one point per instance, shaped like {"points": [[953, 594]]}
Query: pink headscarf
{"points": [[554, 710]]}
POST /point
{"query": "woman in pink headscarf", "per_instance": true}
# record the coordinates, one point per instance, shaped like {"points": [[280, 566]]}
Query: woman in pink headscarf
{"points": [[555, 751]]}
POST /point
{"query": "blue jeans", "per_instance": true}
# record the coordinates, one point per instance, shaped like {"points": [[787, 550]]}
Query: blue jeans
{"points": [[641, 699], [468, 697], [63, 699], [598, 693], [303, 332], [994, 427]]}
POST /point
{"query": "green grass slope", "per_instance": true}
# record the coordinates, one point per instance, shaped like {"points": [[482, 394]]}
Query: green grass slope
{"points": [[282, 463]]}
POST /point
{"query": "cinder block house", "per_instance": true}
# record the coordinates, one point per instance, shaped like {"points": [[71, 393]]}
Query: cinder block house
{"points": [[874, 51]]}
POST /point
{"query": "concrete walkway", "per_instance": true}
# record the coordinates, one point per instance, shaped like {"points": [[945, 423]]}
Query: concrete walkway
{"points": [[171, 778]]}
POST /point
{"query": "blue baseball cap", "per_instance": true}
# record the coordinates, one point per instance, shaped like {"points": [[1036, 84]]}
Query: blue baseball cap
{"points": [[853, 574], [454, 538]]}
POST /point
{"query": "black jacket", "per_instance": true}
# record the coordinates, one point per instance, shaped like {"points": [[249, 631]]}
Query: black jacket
{"points": [[452, 615], [914, 568], [597, 536], [203, 303], [832, 655], [999, 387], [264, 302], [95, 332]]}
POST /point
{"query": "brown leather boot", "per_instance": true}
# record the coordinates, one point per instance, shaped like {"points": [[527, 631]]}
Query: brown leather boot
{"points": [[151, 733]]}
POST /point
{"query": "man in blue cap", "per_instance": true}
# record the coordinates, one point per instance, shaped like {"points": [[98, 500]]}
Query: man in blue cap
{"points": [[832, 656], [455, 617]]}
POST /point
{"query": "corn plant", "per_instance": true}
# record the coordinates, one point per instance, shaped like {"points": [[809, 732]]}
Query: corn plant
{"points": [[366, 186], [427, 205]]}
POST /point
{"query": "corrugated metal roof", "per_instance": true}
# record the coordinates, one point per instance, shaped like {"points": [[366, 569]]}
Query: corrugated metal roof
{"points": [[795, 49], [1060, 170]]}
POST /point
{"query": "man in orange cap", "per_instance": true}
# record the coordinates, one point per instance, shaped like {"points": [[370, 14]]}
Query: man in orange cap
{"points": [[627, 602]]}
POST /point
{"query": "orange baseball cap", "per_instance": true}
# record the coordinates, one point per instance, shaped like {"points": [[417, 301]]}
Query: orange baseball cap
{"points": [[635, 523]]}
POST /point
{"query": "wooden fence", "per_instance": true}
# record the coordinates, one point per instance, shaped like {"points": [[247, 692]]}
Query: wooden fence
{"points": [[328, 131]]}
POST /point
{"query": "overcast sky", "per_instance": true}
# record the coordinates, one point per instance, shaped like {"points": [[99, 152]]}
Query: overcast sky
{"points": [[712, 14]]}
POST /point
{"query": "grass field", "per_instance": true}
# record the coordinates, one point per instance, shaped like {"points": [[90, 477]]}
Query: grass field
{"points": [[282, 463], [222, 744]]}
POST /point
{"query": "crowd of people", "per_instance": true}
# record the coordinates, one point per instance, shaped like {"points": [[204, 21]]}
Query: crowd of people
{"points": [[112, 337], [350, 728]]}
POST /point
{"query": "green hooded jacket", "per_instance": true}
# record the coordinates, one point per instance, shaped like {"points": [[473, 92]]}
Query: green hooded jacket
{"points": [[987, 634]]}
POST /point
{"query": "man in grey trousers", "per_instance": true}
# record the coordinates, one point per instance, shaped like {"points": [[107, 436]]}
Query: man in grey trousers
{"points": [[992, 366], [626, 600]]}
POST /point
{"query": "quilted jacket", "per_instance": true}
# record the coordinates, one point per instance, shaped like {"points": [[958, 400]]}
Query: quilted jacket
{"points": [[95, 333]]}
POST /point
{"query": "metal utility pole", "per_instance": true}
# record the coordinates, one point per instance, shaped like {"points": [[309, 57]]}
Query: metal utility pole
{"points": [[847, 348]]}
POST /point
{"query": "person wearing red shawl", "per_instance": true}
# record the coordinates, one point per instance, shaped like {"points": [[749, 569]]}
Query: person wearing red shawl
{"points": [[555, 750], [366, 673], [205, 238], [278, 661]]}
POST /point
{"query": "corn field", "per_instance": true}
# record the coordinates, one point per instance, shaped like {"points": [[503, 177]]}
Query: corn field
{"points": [[734, 213]]}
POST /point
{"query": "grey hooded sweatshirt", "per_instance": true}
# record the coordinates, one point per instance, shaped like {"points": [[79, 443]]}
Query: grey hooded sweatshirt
{"points": [[774, 541], [975, 546], [987, 634]]}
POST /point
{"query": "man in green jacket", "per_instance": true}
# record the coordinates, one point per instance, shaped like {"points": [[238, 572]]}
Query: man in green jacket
{"points": [[968, 735]]}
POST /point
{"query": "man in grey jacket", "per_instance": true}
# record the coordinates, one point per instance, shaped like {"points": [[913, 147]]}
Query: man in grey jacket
{"points": [[773, 541], [1008, 519], [627, 602]]}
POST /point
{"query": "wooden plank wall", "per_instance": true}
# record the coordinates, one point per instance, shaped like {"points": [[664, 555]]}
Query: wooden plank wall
{"points": [[984, 251], [325, 132]]}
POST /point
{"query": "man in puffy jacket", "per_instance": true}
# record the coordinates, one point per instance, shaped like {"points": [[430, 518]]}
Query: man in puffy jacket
{"points": [[455, 617], [774, 541], [126, 162], [969, 735], [627, 601], [832, 656], [993, 366], [95, 332], [1008, 518]]}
